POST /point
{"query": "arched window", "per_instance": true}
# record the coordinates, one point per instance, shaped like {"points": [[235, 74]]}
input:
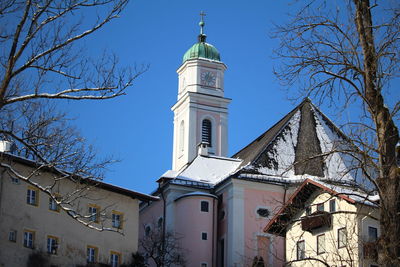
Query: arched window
{"points": [[206, 132], [182, 137]]}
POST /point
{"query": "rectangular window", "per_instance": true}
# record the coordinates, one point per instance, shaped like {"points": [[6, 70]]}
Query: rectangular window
{"points": [[320, 244], [115, 259], [94, 213], [372, 234], [15, 180], [320, 207], [332, 205], [32, 196], [204, 264], [342, 237], [204, 206], [301, 250], [308, 211], [52, 244], [12, 236], [29, 238], [117, 219], [203, 236], [53, 204], [91, 254]]}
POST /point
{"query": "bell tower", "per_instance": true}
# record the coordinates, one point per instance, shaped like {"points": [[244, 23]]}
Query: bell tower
{"points": [[201, 111]]}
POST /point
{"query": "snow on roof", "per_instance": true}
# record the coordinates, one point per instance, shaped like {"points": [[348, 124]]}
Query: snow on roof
{"points": [[209, 169], [196, 193]]}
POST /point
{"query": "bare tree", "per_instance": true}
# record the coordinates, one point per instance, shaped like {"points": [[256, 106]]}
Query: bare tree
{"points": [[347, 55], [42, 59], [161, 248]]}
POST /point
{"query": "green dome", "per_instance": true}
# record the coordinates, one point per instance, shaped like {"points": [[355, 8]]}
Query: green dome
{"points": [[202, 50]]}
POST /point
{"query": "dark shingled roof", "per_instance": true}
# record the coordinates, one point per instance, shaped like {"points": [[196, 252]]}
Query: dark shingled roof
{"points": [[307, 148]]}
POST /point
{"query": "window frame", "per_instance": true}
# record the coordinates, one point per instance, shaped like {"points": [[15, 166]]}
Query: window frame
{"points": [[115, 253], [299, 250], [95, 254], [57, 243], [115, 213], [201, 206], [376, 234], [53, 202], [12, 235], [29, 243], [207, 123], [204, 236], [308, 211], [342, 243], [92, 215], [319, 207], [319, 252], [30, 199], [332, 205]]}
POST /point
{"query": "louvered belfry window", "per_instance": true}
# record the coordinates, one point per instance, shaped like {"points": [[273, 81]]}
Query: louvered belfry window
{"points": [[206, 132]]}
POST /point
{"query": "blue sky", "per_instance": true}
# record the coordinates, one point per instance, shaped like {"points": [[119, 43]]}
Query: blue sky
{"points": [[137, 128]]}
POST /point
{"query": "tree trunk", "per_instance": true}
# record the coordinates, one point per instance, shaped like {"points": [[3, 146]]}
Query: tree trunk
{"points": [[387, 138]]}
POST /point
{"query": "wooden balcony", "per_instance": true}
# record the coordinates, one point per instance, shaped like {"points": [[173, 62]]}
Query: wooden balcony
{"points": [[316, 220], [370, 250]]}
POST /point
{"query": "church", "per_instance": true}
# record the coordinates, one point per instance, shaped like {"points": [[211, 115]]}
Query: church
{"points": [[218, 205]]}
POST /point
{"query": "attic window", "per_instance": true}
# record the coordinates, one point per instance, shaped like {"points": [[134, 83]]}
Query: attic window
{"points": [[206, 132], [263, 212]]}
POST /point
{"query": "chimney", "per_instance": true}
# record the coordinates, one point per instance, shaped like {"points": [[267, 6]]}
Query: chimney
{"points": [[5, 146], [203, 149]]}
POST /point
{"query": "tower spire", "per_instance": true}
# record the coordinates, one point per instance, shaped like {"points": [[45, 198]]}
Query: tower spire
{"points": [[202, 36]]}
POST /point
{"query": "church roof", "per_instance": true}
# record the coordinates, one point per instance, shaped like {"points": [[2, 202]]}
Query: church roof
{"points": [[301, 143]]}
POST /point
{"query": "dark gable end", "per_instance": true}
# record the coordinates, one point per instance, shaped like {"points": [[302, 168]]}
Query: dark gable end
{"points": [[308, 150]]}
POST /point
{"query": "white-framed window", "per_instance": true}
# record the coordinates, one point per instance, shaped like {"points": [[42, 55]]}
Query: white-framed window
{"points": [[32, 196], [117, 218], [52, 245], [115, 259], [308, 211], [342, 237], [53, 204], [29, 238], [204, 206], [91, 254], [203, 236], [301, 250], [321, 244], [12, 236], [203, 264]]}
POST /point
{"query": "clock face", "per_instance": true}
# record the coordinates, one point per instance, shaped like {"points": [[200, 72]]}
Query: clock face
{"points": [[208, 78]]}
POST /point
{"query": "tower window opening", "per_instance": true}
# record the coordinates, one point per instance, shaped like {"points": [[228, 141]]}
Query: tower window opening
{"points": [[182, 137], [206, 132]]}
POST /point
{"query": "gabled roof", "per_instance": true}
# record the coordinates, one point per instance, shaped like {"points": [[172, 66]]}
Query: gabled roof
{"points": [[299, 144], [296, 203]]}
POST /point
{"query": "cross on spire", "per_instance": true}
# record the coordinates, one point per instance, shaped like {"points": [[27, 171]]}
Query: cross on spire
{"points": [[202, 15]]}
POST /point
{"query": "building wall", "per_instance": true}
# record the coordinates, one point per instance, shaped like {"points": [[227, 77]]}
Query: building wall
{"points": [[244, 237], [347, 216], [73, 237]]}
